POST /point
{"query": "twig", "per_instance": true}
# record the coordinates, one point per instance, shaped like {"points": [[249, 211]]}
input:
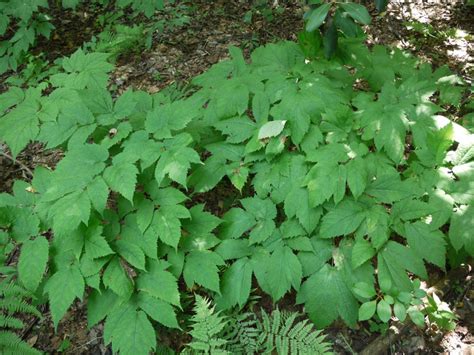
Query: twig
{"points": [[87, 343], [23, 166], [31, 324]]}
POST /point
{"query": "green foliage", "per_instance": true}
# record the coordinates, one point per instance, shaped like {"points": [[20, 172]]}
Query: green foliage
{"points": [[440, 314], [279, 332], [22, 22], [327, 183], [338, 18], [14, 301]]}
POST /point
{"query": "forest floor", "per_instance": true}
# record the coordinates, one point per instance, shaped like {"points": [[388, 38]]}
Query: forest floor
{"points": [[439, 33]]}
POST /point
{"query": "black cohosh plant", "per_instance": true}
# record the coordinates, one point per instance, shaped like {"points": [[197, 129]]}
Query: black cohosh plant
{"points": [[347, 180]]}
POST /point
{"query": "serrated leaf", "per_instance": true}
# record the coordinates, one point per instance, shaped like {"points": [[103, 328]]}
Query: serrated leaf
{"points": [[69, 211], [460, 230], [236, 129], [325, 304], [297, 204], [233, 249], [98, 192], [260, 107], [235, 284], [317, 258], [122, 177], [20, 126], [95, 244], [168, 227], [159, 310], [361, 252], [409, 209], [130, 331], [236, 222], [356, 176], [116, 278], [63, 288], [32, 262], [343, 219], [201, 267], [159, 283], [389, 188], [271, 129], [99, 305], [283, 272], [145, 210], [393, 262], [131, 253], [426, 243], [238, 177], [201, 222], [264, 211], [207, 176]]}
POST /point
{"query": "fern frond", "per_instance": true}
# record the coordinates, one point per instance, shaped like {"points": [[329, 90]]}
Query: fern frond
{"points": [[12, 305], [122, 39], [242, 334], [207, 325], [10, 322], [13, 299], [10, 343], [280, 332], [9, 289]]}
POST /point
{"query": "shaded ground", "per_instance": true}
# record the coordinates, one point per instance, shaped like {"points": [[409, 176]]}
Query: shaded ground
{"points": [[182, 53]]}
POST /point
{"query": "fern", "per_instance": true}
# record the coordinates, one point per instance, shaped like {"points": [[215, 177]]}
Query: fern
{"points": [[13, 299], [279, 332], [121, 40], [243, 334], [208, 324]]}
